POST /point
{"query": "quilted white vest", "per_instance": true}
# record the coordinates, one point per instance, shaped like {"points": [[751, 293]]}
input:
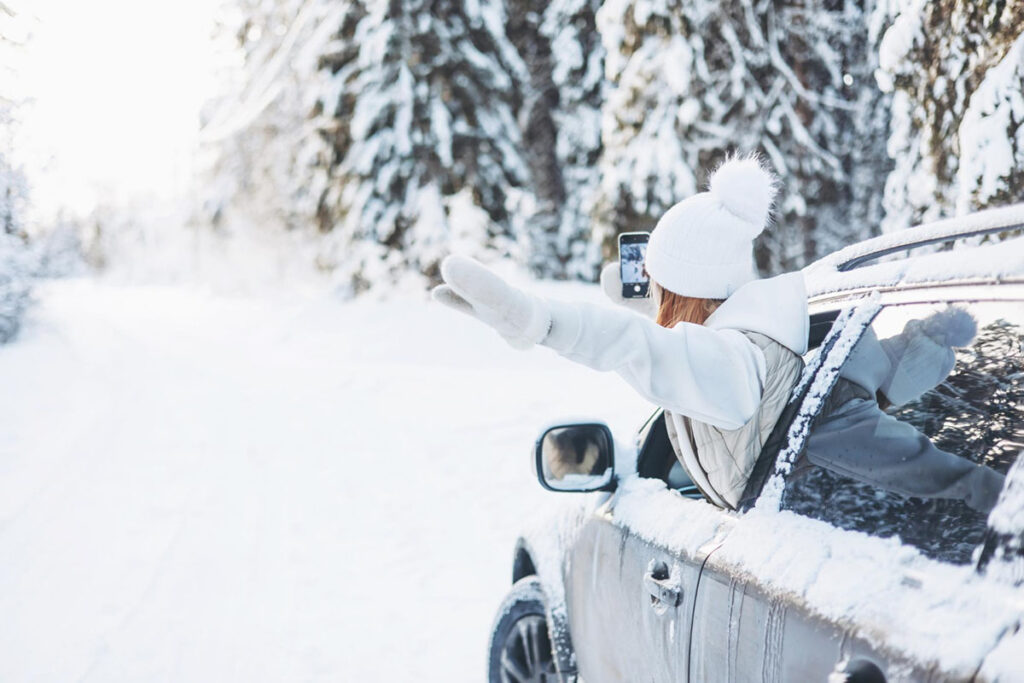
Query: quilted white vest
{"points": [[720, 461], [771, 313]]}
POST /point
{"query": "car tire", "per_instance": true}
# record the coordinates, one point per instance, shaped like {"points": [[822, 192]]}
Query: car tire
{"points": [[520, 649]]}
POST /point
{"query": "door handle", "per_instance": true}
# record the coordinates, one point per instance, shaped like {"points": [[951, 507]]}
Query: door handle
{"points": [[857, 671], [663, 586]]}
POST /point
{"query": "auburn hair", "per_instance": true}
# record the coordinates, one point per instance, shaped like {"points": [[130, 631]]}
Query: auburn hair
{"points": [[674, 308]]}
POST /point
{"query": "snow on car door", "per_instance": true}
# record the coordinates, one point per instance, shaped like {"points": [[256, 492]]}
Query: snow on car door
{"points": [[632, 582]]}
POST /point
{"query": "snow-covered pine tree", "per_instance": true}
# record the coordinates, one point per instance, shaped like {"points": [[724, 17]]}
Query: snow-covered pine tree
{"points": [[13, 187], [261, 143], [15, 266], [416, 128], [957, 71], [692, 82], [426, 147], [560, 119], [15, 262]]}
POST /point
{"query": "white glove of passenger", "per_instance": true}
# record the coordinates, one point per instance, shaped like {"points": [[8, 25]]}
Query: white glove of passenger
{"points": [[921, 356], [611, 284], [522, 319]]}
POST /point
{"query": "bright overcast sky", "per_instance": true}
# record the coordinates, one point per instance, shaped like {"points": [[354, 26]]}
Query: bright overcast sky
{"points": [[117, 86]]}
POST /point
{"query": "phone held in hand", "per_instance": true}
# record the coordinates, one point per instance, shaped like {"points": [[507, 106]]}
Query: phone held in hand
{"points": [[632, 252]]}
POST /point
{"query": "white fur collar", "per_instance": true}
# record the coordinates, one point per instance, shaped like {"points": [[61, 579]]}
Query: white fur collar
{"points": [[775, 307]]}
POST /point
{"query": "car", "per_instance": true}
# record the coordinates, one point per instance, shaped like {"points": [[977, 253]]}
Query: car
{"points": [[820, 574]]}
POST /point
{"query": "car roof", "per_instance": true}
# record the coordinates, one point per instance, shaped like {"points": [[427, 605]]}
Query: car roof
{"points": [[850, 271]]}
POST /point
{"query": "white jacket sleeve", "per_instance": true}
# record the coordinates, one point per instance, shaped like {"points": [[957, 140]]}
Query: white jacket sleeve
{"points": [[713, 376]]}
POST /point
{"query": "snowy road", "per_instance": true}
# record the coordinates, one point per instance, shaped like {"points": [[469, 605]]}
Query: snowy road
{"points": [[198, 488]]}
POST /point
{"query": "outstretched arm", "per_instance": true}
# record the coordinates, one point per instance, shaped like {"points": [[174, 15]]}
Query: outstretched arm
{"points": [[862, 442], [714, 376]]}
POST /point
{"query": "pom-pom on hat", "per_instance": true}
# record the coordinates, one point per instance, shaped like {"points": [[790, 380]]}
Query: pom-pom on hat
{"points": [[703, 246]]}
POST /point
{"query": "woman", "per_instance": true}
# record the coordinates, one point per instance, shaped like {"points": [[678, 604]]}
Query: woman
{"points": [[725, 350]]}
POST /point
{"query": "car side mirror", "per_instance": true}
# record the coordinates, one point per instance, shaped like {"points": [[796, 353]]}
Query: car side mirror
{"points": [[576, 458]]}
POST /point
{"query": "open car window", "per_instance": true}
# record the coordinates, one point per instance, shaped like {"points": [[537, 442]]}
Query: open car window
{"points": [[916, 434], [657, 458]]}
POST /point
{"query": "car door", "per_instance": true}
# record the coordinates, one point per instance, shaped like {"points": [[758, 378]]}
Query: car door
{"points": [[632, 576], [832, 571], [635, 613]]}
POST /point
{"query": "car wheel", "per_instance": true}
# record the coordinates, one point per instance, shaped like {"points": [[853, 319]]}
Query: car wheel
{"points": [[520, 641]]}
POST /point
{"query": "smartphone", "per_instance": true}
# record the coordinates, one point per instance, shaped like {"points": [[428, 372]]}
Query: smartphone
{"points": [[632, 252]]}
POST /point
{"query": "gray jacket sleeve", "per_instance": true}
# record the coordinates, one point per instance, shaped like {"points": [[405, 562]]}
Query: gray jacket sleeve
{"points": [[857, 439]]}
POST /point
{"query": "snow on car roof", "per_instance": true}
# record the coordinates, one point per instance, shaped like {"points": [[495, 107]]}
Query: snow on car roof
{"points": [[992, 262]]}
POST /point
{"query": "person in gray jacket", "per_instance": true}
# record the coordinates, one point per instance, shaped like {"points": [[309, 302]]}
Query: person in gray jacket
{"points": [[855, 437]]}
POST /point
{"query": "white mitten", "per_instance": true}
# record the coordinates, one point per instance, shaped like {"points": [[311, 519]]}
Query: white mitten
{"points": [[471, 288], [922, 354], [611, 284], [952, 326]]}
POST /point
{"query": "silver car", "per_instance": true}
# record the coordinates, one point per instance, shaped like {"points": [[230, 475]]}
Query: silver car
{"points": [[821, 574]]}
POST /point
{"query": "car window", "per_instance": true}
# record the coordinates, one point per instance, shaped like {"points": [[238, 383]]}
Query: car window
{"points": [[916, 434], [657, 459]]}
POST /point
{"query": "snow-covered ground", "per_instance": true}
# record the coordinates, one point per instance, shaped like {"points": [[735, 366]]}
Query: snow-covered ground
{"points": [[275, 488]]}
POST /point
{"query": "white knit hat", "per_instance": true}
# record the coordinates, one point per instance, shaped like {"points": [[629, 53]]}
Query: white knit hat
{"points": [[702, 246]]}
